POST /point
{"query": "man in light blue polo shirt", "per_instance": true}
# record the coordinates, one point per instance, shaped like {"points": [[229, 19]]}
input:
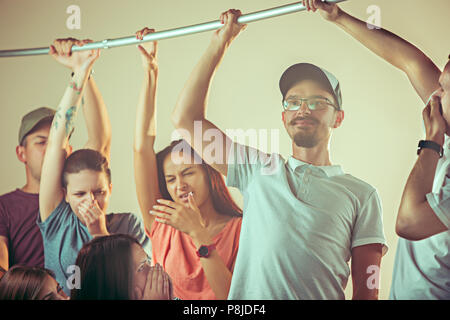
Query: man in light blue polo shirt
{"points": [[304, 218]]}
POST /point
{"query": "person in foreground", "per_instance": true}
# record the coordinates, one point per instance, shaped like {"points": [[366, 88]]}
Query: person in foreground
{"points": [[304, 218], [30, 283], [116, 267]]}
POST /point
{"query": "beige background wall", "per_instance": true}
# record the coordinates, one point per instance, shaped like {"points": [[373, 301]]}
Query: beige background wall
{"points": [[376, 143]]}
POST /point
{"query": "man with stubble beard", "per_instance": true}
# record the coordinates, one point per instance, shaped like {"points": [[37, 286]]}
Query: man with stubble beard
{"points": [[303, 218]]}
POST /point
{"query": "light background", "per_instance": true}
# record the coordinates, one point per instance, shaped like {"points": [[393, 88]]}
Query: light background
{"points": [[376, 143]]}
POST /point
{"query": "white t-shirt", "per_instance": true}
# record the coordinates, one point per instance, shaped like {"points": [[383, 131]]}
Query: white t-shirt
{"points": [[300, 223]]}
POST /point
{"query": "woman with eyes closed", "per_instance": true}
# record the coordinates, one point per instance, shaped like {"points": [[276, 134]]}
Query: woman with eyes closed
{"points": [[188, 213], [116, 267], [75, 191], [30, 283]]}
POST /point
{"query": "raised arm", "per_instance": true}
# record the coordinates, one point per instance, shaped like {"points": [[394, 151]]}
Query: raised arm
{"points": [[416, 219], [190, 110], [94, 109], [145, 170], [51, 192], [421, 71], [97, 120]]}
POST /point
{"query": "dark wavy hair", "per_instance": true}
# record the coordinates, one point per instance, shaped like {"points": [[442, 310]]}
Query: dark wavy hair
{"points": [[106, 271], [23, 283], [222, 201]]}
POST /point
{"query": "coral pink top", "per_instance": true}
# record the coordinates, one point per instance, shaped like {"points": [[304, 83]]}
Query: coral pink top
{"points": [[177, 254]]}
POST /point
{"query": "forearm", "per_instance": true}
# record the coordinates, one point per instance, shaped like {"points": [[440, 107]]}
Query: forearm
{"points": [[413, 206], [145, 166], [63, 123], [420, 180], [365, 294], [192, 102], [384, 43], [97, 120], [216, 272], [145, 127], [420, 70], [99, 234], [365, 268]]}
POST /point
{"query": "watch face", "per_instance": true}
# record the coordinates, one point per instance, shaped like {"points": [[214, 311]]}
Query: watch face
{"points": [[203, 251]]}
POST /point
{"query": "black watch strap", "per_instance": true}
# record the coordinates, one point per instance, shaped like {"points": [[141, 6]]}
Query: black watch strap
{"points": [[427, 144]]}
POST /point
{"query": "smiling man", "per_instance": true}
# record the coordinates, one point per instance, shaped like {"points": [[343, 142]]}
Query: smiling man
{"points": [[303, 219]]}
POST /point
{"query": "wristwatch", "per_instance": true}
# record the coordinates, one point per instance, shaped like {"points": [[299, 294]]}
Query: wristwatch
{"points": [[204, 251], [427, 144]]}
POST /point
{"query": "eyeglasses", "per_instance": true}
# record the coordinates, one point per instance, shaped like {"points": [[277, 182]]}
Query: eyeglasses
{"points": [[314, 104]]}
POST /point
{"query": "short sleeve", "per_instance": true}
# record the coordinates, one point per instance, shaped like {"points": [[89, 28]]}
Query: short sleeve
{"points": [[4, 221], [440, 203], [136, 229], [368, 228], [245, 162], [52, 225]]}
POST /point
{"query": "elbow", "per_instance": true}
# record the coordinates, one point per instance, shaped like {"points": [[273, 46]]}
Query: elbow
{"points": [[401, 228], [177, 115], [406, 225], [101, 145], [180, 119]]}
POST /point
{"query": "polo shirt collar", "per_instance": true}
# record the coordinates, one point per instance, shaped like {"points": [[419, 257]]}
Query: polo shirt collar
{"points": [[330, 171]]}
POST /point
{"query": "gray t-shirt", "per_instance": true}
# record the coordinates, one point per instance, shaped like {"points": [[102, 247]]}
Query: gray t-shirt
{"points": [[64, 235]]}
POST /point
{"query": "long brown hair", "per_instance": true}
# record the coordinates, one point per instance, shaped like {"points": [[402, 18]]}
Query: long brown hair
{"points": [[23, 283], [106, 268], [222, 201]]}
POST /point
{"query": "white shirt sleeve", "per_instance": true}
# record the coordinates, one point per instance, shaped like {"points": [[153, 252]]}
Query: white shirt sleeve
{"points": [[368, 228], [245, 162], [440, 203]]}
